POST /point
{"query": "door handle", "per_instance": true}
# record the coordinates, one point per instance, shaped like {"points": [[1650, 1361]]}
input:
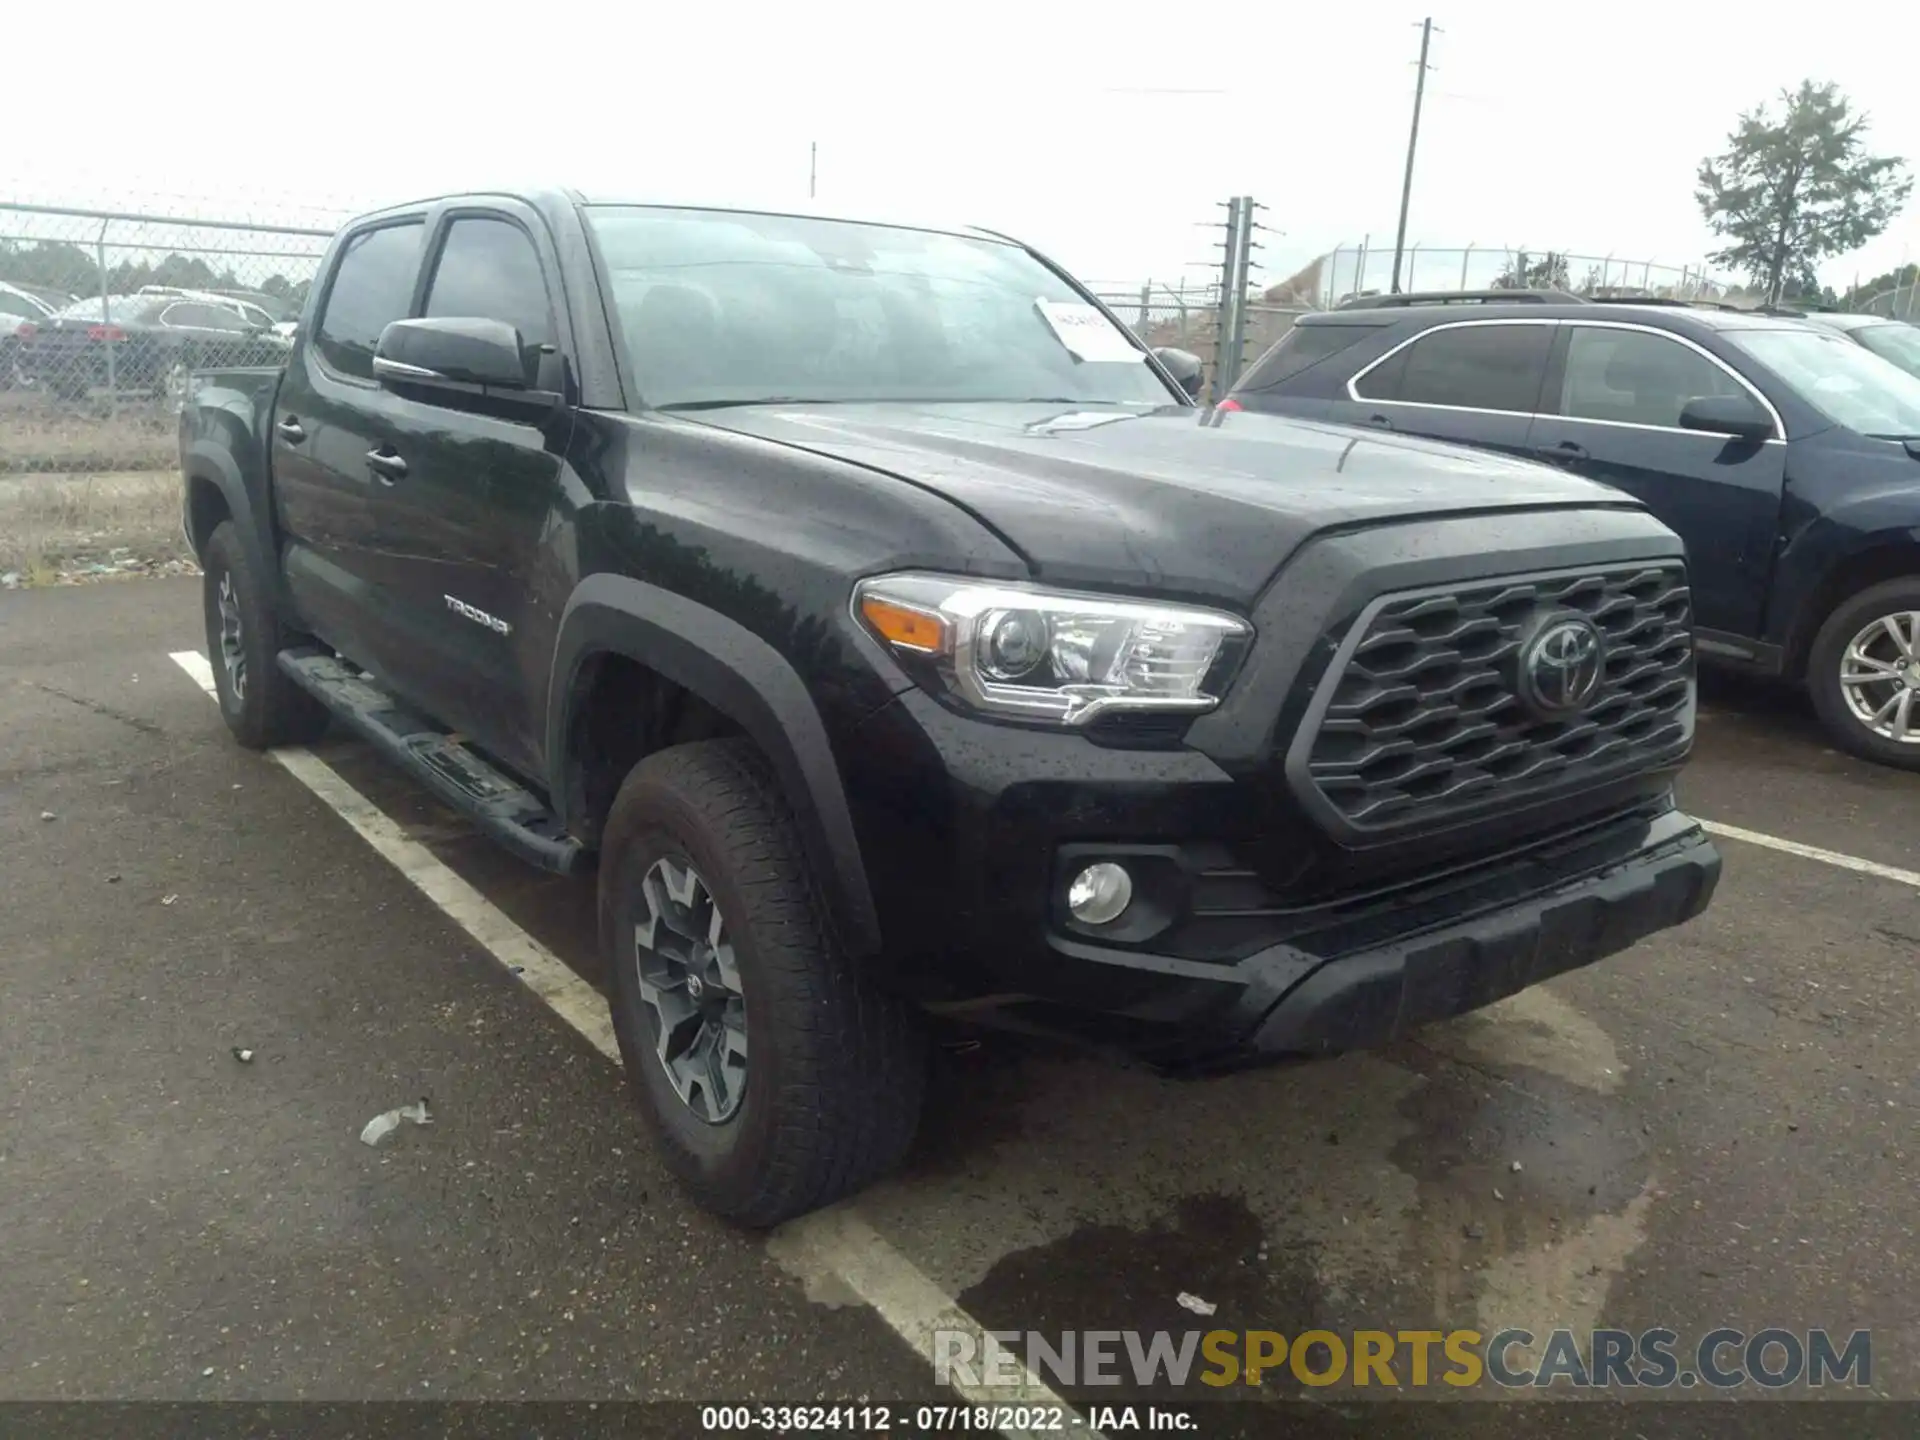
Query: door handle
{"points": [[1379, 422], [291, 431], [1564, 453], [387, 465]]}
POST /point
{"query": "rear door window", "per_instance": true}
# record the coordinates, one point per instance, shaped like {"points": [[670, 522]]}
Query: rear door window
{"points": [[372, 287], [1498, 366], [1632, 377]]}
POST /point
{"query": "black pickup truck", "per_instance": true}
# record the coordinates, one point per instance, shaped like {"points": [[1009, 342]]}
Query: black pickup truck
{"points": [[896, 636]]}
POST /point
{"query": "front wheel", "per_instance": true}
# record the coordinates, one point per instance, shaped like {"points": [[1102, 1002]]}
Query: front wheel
{"points": [[261, 705], [775, 1079], [1863, 673]]}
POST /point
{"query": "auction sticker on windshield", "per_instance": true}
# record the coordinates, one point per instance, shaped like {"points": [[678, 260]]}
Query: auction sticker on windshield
{"points": [[1085, 332]]}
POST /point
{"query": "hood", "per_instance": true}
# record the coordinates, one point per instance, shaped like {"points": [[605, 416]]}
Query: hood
{"points": [[1179, 502]]}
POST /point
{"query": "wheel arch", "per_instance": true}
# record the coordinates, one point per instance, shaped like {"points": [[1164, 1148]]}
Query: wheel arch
{"points": [[1889, 556], [737, 677], [216, 490]]}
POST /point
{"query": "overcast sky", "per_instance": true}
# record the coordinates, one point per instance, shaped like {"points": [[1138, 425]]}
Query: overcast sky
{"points": [[1102, 133]]}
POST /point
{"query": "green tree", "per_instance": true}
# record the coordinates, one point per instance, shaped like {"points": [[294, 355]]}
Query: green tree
{"points": [[1792, 189], [55, 264], [1906, 277], [1543, 272]]}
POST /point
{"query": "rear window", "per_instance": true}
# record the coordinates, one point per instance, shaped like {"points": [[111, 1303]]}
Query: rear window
{"points": [[1495, 365], [119, 308], [1300, 349]]}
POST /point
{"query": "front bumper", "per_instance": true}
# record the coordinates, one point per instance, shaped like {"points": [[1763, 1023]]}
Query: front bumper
{"points": [[1371, 996], [969, 854]]}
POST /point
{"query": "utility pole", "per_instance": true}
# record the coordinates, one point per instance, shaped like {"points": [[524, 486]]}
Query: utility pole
{"points": [[813, 167], [1413, 140]]}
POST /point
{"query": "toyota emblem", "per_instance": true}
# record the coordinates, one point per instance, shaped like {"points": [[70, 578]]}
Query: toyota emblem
{"points": [[1561, 666]]}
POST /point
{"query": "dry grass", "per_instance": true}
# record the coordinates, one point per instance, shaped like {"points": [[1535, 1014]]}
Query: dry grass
{"points": [[52, 524], [39, 434]]}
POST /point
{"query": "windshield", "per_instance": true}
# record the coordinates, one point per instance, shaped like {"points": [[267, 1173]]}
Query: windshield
{"points": [[1898, 343], [722, 307], [120, 308], [1846, 382]]}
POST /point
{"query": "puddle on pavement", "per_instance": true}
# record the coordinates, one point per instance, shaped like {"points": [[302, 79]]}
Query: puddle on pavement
{"points": [[1212, 1247], [1060, 1193]]}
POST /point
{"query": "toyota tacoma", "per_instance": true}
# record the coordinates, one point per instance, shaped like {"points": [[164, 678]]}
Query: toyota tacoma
{"points": [[895, 636]]}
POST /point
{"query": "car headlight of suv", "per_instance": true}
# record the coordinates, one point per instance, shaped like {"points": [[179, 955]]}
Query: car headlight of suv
{"points": [[1051, 655]]}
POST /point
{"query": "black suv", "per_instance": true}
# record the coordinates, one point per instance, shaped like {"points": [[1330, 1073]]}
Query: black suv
{"points": [[1785, 455], [894, 634]]}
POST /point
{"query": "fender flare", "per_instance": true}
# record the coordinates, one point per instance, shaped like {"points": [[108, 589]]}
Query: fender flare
{"points": [[743, 678], [203, 461]]}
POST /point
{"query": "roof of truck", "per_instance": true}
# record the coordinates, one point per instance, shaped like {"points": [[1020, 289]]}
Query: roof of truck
{"points": [[549, 199]]}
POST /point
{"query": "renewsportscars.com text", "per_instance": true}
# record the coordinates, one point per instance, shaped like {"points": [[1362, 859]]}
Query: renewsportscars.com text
{"points": [[1658, 1359]]}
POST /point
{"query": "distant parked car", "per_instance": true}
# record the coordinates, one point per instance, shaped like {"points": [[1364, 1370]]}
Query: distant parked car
{"points": [[285, 314], [1893, 340], [145, 341], [258, 316], [283, 311], [19, 307]]}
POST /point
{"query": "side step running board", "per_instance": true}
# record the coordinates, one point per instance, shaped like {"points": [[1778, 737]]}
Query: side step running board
{"points": [[502, 807]]}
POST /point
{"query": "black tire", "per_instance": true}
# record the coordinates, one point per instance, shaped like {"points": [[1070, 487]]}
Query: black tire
{"points": [[836, 1072], [1824, 661], [265, 708]]}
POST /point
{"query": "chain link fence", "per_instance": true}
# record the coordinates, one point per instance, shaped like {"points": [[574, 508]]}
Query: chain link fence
{"points": [[103, 315], [1190, 320], [1896, 302], [1195, 317], [1364, 269]]}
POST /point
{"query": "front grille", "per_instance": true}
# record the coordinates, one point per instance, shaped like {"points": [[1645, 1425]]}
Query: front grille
{"points": [[1423, 721]]}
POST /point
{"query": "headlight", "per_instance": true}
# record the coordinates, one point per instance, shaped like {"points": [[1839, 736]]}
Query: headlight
{"points": [[1048, 654]]}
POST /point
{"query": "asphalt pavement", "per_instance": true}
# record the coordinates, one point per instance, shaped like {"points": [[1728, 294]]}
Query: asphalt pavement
{"points": [[1714, 1129]]}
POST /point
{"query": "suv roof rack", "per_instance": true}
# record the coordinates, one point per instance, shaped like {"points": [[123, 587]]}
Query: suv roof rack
{"points": [[1458, 297], [1670, 302]]}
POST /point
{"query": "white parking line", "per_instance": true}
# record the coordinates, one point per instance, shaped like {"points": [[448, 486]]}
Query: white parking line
{"points": [[910, 1304], [1813, 852]]}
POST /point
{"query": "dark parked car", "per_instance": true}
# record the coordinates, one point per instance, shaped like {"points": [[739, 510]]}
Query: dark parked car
{"points": [[891, 631], [141, 342], [1894, 340], [1785, 455], [279, 311]]}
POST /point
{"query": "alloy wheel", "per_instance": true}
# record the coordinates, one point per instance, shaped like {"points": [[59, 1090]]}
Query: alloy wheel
{"points": [[1880, 677], [690, 984], [233, 653]]}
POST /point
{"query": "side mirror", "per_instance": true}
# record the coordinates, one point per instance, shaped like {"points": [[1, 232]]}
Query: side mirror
{"points": [[451, 352], [1185, 368], [1733, 415]]}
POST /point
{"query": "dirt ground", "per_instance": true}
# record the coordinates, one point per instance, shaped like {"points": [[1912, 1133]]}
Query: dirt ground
{"points": [[57, 528]]}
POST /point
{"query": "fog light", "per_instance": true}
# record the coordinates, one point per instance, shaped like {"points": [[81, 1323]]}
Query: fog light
{"points": [[1100, 893]]}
